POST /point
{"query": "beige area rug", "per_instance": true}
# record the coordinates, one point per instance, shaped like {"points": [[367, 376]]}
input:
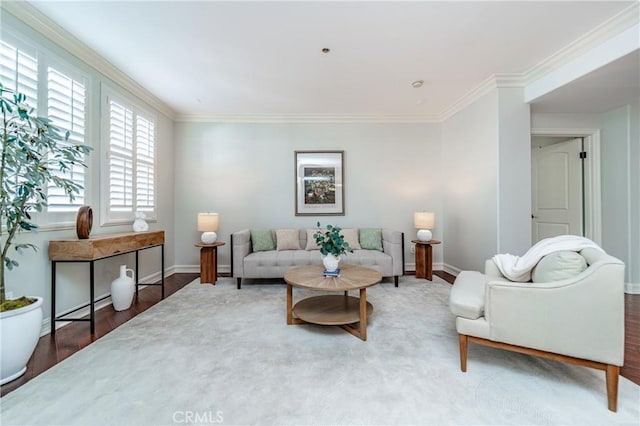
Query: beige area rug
{"points": [[217, 355]]}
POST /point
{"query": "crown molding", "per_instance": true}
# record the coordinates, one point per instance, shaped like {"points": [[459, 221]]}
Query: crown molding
{"points": [[495, 81], [614, 26], [308, 118], [618, 23], [31, 16], [35, 19]]}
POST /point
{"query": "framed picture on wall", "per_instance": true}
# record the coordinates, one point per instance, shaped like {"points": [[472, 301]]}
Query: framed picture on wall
{"points": [[319, 183]]}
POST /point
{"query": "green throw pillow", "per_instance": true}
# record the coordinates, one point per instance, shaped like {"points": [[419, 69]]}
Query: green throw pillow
{"points": [[371, 238], [262, 240]]}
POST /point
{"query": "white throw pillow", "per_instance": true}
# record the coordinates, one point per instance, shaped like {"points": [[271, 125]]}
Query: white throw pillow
{"points": [[287, 239], [558, 266], [351, 236], [311, 242]]}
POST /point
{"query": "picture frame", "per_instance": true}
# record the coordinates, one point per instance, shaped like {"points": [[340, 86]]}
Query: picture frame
{"points": [[319, 183]]}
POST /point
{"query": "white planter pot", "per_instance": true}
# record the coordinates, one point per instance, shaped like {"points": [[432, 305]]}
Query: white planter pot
{"points": [[122, 289], [20, 331], [330, 262]]}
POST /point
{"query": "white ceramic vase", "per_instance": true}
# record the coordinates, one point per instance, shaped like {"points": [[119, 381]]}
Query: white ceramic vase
{"points": [[330, 262], [20, 331], [139, 224], [122, 289]]}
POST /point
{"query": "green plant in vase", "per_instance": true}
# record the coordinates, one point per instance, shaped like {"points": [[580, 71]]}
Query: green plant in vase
{"points": [[332, 245], [35, 156]]}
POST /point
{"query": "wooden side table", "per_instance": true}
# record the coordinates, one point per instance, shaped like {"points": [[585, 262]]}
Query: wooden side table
{"points": [[424, 258], [209, 262]]}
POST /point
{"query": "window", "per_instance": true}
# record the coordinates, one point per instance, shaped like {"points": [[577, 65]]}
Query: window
{"points": [[19, 71], [66, 109], [130, 177], [50, 87]]}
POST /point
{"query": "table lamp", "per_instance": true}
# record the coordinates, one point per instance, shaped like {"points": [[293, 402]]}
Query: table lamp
{"points": [[208, 225], [424, 221]]}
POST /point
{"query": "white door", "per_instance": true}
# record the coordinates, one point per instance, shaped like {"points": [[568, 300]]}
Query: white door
{"points": [[556, 180]]}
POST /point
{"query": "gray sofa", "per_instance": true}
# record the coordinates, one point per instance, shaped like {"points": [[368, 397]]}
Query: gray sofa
{"points": [[273, 263]]}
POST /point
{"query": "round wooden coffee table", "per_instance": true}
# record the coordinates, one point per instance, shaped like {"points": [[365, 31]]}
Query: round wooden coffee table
{"points": [[341, 310]]}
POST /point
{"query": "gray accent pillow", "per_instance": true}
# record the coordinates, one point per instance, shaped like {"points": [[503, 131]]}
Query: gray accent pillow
{"points": [[558, 266], [262, 240], [371, 239]]}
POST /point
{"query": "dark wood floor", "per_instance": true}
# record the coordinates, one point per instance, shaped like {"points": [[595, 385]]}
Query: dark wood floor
{"points": [[70, 339]]}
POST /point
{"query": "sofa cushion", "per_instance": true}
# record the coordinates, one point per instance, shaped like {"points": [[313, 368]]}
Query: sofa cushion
{"points": [[274, 264], [558, 266], [262, 240], [351, 237], [467, 294], [373, 259], [371, 238], [287, 239]]}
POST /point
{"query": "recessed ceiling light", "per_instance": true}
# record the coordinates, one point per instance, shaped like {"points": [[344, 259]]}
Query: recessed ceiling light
{"points": [[417, 84]]}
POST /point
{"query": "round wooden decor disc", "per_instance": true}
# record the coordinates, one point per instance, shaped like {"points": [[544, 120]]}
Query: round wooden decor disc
{"points": [[84, 222]]}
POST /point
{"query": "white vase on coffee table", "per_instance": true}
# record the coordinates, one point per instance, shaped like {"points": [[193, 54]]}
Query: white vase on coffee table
{"points": [[330, 262]]}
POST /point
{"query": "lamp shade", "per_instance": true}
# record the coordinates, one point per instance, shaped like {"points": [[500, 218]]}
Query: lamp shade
{"points": [[208, 222], [424, 220]]}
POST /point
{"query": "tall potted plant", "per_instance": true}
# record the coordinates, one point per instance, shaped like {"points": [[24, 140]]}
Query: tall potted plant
{"points": [[332, 246], [34, 156]]}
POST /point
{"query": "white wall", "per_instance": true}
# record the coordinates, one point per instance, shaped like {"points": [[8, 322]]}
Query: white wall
{"points": [[33, 277], [470, 153], [620, 183], [487, 180], [245, 172], [634, 198], [514, 176]]}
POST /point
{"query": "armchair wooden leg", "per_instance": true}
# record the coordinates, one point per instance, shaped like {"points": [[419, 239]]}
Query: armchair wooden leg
{"points": [[612, 374], [464, 340]]}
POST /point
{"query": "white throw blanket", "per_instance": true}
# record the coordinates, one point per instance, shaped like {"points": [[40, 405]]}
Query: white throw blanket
{"points": [[518, 269]]}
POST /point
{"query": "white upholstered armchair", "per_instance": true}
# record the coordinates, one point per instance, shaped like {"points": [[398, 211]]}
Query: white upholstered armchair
{"points": [[579, 319]]}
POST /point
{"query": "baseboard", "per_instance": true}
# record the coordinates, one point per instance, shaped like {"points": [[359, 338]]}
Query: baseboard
{"points": [[632, 288], [451, 269], [195, 269], [187, 269], [46, 323]]}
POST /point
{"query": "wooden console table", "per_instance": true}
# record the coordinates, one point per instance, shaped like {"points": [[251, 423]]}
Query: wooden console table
{"points": [[98, 248], [424, 258]]}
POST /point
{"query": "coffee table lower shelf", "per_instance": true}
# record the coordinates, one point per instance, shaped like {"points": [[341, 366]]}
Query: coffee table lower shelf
{"points": [[344, 311]]}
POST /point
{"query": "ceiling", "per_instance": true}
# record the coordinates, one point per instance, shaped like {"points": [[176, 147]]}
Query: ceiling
{"points": [[235, 57], [614, 85]]}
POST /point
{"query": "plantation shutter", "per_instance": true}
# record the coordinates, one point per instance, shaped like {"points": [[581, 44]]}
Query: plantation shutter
{"points": [[66, 109], [145, 174], [120, 158], [131, 159], [19, 72]]}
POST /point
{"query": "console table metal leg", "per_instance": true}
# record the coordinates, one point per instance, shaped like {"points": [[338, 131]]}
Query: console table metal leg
{"points": [[53, 298], [137, 276], [162, 268], [92, 302]]}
